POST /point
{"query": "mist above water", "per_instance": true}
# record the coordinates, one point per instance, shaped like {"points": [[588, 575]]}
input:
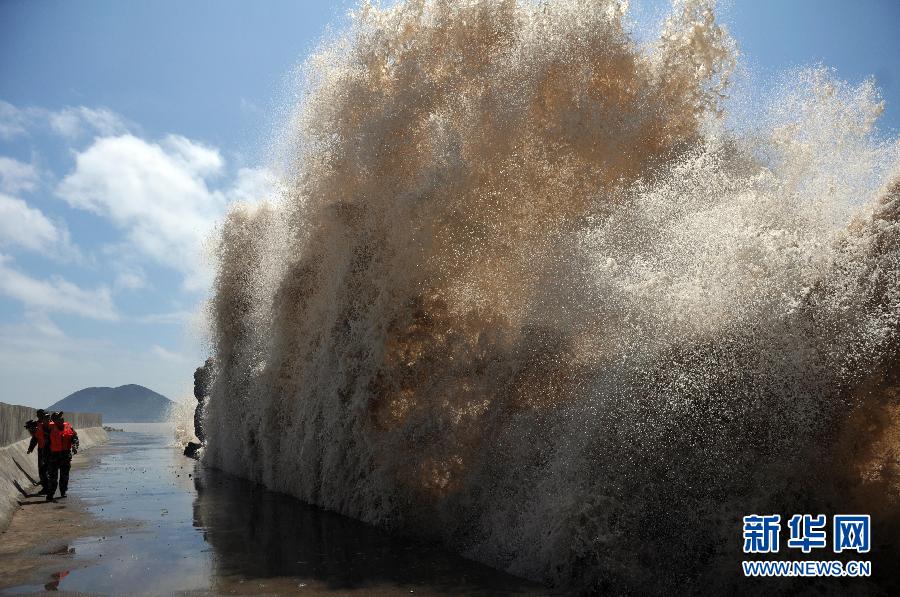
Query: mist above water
{"points": [[526, 292]]}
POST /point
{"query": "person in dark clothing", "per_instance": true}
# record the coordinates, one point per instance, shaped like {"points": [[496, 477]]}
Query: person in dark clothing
{"points": [[31, 426], [39, 441], [63, 444]]}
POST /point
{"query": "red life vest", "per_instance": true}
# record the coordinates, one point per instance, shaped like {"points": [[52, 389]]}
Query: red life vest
{"points": [[68, 435], [61, 439]]}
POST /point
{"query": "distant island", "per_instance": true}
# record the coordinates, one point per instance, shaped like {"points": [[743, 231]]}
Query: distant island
{"points": [[125, 404]]}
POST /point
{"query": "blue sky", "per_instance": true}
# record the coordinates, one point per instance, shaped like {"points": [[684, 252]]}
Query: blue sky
{"points": [[126, 128]]}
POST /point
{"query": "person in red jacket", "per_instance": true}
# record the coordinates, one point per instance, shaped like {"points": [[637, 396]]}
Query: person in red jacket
{"points": [[63, 444], [39, 441]]}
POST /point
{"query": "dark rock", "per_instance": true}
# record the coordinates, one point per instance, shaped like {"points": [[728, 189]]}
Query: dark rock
{"points": [[192, 449], [202, 382]]}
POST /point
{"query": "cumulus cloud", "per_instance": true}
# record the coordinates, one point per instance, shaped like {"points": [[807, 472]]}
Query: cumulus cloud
{"points": [[165, 196], [156, 192], [26, 227], [55, 294], [159, 194], [17, 176], [192, 156]]}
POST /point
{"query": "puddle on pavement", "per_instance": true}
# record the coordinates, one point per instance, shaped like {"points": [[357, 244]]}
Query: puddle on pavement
{"points": [[189, 529]]}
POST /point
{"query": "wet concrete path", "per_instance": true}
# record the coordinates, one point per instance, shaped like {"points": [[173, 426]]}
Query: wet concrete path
{"points": [[172, 527]]}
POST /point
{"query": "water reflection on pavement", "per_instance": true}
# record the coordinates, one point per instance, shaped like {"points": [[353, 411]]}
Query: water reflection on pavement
{"points": [[188, 530]]}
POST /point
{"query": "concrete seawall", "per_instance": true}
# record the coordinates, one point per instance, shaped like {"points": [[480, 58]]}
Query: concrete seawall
{"points": [[18, 469], [13, 417]]}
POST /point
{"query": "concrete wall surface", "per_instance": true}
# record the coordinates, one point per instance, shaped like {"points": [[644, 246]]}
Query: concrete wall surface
{"points": [[18, 469], [13, 417]]}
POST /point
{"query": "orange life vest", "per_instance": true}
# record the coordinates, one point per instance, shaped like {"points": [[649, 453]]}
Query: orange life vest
{"points": [[68, 435], [61, 439]]}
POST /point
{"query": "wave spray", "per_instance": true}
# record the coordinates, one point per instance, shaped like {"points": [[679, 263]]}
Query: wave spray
{"points": [[526, 292]]}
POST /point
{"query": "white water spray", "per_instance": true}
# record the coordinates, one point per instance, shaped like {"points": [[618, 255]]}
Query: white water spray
{"points": [[527, 294]]}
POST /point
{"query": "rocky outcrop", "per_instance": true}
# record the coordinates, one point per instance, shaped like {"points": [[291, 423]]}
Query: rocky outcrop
{"points": [[202, 381]]}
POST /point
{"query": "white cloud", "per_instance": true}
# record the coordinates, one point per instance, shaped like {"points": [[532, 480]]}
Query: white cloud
{"points": [[12, 121], [55, 294], [194, 157], [158, 193], [253, 184], [17, 176], [70, 122], [29, 228], [73, 122]]}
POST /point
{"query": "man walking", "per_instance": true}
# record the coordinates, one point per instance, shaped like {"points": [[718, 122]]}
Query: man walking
{"points": [[63, 444]]}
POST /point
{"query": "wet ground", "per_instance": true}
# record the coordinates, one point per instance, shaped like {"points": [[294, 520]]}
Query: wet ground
{"points": [[171, 527]]}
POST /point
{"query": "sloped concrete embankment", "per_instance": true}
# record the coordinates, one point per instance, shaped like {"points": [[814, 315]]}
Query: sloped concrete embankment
{"points": [[18, 469]]}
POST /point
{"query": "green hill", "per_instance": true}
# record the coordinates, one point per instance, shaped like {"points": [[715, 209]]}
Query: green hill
{"points": [[125, 404]]}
